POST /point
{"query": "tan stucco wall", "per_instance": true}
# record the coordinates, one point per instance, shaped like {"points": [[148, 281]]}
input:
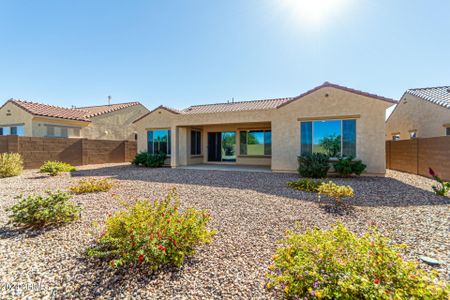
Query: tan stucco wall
{"points": [[285, 127], [39, 126], [413, 113], [11, 114], [117, 125], [370, 145]]}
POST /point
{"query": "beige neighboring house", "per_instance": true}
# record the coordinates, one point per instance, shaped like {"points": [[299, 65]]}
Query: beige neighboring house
{"points": [[271, 132], [108, 122], [421, 113]]}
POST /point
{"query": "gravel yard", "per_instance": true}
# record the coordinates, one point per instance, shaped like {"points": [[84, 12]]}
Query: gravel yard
{"points": [[251, 211]]}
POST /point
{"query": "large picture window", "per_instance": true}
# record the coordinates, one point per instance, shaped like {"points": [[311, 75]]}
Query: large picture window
{"points": [[332, 137], [158, 141], [196, 142], [256, 142]]}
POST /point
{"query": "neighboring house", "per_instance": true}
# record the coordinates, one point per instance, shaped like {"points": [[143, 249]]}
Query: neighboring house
{"points": [[271, 132], [108, 122], [421, 113]]}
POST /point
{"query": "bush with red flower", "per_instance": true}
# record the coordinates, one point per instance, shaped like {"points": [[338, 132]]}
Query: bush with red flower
{"points": [[337, 264], [443, 187], [153, 234]]}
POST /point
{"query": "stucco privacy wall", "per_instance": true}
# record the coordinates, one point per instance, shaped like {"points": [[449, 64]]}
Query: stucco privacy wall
{"points": [[326, 102], [413, 113], [10, 114], [116, 125]]}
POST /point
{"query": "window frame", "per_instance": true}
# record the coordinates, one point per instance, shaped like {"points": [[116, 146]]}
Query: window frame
{"points": [[355, 119], [8, 130], [198, 137], [246, 142], [169, 140]]}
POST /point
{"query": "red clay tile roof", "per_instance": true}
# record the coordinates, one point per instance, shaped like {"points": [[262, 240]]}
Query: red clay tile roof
{"points": [[78, 114], [94, 111], [236, 106], [263, 104]]}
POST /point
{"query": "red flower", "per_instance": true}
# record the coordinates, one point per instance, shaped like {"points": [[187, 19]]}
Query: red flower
{"points": [[430, 170], [131, 230], [131, 236], [174, 242], [377, 281], [162, 248], [168, 221], [140, 258]]}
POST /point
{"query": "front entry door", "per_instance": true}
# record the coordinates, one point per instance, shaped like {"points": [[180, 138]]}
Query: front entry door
{"points": [[214, 146]]}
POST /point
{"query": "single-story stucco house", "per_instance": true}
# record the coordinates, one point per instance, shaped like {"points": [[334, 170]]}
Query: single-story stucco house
{"points": [[271, 132], [421, 113], [107, 122]]}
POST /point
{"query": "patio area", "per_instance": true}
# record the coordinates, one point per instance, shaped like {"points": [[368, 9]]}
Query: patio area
{"points": [[228, 167]]}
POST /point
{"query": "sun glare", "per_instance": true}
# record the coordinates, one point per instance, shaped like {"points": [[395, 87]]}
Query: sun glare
{"points": [[314, 13]]}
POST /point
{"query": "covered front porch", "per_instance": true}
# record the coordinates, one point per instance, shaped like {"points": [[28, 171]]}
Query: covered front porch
{"points": [[240, 144]]}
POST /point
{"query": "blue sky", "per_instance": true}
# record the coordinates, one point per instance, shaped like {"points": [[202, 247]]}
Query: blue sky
{"points": [[179, 53]]}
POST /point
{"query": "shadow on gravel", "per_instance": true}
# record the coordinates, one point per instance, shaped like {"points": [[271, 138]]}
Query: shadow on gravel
{"points": [[337, 210], [97, 279], [369, 191], [7, 232]]}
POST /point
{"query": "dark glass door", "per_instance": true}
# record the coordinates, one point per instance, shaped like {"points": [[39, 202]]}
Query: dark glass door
{"points": [[214, 146]]}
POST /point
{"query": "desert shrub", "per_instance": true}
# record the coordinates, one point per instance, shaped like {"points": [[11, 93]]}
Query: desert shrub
{"points": [[337, 192], [149, 160], [152, 233], [313, 165], [39, 211], [11, 164], [306, 185], [53, 168], [91, 186], [337, 264], [443, 187], [347, 166]]}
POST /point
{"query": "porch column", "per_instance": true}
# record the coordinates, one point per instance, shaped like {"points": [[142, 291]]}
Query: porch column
{"points": [[183, 146], [174, 146]]}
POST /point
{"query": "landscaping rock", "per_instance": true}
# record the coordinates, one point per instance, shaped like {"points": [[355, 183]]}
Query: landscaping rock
{"points": [[251, 212]]}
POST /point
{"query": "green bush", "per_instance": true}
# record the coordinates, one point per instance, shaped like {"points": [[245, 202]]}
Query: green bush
{"points": [[91, 186], [306, 185], [11, 164], [40, 211], [152, 233], [337, 192], [348, 166], [313, 165], [53, 168], [149, 160], [337, 264]]}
